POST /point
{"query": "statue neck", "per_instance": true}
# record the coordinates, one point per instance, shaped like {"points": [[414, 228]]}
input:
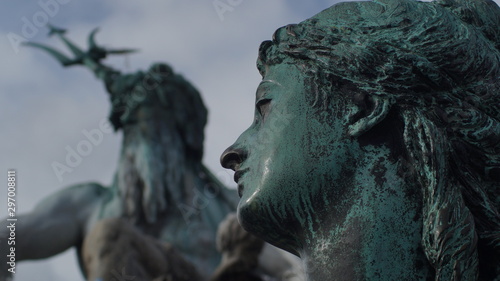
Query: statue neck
{"points": [[373, 235]]}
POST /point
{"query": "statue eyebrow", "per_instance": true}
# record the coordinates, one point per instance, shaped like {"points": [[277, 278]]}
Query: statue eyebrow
{"points": [[260, 93]]}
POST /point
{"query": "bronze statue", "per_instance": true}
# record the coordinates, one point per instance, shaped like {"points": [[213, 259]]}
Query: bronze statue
{"points": [[158, 221], [375, 149], [161, 186]]}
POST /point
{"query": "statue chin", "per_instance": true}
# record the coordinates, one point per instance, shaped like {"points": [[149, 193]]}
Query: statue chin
{"points": [[254, 216], [247, 212]]}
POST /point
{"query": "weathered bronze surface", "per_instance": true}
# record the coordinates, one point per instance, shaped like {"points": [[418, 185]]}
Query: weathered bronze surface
{"points": [[375, 149], [161, 186]]}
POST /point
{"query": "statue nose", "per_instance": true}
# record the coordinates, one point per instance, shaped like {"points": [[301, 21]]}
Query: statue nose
{"points": [[232, 157]]}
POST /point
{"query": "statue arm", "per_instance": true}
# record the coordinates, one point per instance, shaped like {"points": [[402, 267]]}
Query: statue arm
{"points": [[55, 225]]}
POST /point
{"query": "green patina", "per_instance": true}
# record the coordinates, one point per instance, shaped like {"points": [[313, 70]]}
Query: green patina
{"points": [[375, 149], [161, 186]]}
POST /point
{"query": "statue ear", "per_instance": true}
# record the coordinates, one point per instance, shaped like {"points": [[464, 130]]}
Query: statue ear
{"points": [[373, 110]]}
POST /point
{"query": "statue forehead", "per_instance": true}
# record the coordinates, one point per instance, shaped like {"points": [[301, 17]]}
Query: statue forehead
{"points": [[283, 71]]}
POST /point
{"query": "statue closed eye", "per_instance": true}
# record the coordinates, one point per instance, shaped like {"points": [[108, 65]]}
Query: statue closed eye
{"points": [[377, 157]]}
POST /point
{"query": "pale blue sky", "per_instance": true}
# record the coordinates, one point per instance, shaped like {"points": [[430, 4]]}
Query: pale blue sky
{"points": [[44, 108]]}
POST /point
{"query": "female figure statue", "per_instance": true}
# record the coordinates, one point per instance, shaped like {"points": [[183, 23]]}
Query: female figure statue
{"points": [[375, 149]]}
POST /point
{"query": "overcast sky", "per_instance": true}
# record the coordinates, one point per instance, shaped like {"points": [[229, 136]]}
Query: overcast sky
{"points": [[45, 107]]}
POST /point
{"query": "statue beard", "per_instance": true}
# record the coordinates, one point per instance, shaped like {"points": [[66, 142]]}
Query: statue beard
{"points": [[151, 169]]}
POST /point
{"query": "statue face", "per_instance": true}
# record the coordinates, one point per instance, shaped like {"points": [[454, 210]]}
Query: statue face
{"points": [[288, 159]]}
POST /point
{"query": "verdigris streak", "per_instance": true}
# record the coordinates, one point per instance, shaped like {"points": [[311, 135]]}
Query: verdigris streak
{"points": [[375, 149]]}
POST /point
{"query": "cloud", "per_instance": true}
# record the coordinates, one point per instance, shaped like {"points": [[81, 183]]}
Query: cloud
{"points": [[45, 107], [48, 106]]}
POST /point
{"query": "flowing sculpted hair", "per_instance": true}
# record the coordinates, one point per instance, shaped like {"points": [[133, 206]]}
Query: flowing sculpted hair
{"points": [[438, 66], [163, 119]]}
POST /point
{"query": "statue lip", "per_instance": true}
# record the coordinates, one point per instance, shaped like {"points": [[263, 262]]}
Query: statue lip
{"points": [[240, 190], [237, 175]]}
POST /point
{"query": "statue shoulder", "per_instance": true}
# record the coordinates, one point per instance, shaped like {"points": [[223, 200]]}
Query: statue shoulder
{"points": [[75, 196], [84, 191]]}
